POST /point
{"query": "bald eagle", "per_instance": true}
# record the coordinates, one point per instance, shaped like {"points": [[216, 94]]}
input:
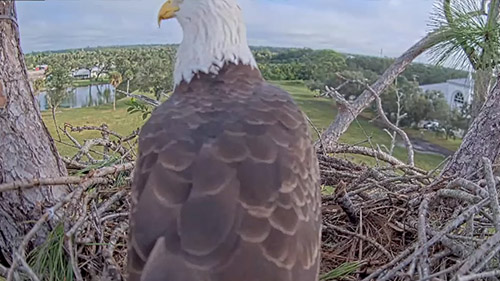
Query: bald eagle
{"points": [[226, 184]]}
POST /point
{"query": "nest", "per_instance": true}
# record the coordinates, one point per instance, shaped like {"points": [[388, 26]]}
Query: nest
{"points": [[389, 222]]}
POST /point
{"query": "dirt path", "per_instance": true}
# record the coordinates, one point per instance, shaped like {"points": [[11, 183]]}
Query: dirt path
{"points": [[424, 146]]}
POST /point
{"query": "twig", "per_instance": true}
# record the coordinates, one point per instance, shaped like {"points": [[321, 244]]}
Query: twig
{"points": [[112, 216], [320, 139], [65, 180], [422, 236], [404, 136], [21, 251], [145, 99], [342, 198], [342, 148], [472, 187], [73, 259], [112, 267], [458, 194], [479, 254], [367, 239], [487, 258], [394, 261], [27, 268], [437, 274], [23, 184], [492, 190], [103, 128], [447, 229], [479, 276], [112, 170]]}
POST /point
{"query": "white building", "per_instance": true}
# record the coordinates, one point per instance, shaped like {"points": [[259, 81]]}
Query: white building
{"points": [[82, 73], [457, 92]]}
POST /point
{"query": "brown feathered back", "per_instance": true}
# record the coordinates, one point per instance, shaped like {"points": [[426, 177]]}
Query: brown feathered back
{"points": [[226, 186]]}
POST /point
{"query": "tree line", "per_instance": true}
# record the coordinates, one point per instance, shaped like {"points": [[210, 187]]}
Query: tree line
{"points": [[150, 68]]}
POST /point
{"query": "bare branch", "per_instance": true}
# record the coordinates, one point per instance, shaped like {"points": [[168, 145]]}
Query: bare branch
{"points": [[422, 236], [143, 98], [65, 180], [480, 276], [492, 190], [404, 136], [447, 229], [479, 254]]}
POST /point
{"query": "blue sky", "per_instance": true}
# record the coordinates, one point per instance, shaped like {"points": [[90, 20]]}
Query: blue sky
{"points": [[355, 26]]}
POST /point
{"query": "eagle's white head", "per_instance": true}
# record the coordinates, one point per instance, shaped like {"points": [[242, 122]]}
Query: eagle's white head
{"points": [[214, 34]]}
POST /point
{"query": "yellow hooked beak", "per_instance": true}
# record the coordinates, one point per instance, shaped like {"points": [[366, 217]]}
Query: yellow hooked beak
{"points": [[167, 11]]}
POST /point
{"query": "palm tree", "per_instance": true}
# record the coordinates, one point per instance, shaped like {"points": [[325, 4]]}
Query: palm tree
{"points": [[129, 75], [474, 26], [115, 80]]}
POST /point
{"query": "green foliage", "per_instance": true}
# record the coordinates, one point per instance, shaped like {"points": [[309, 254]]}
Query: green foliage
{"points": [[474, 29], [58, 83], [148, 68], [129, 74], [457, 119], [422, 73], [50, 260], [349, 89], [155, 74], [299, 64], [135, 106], [417, 104], [38, 85], [343, 271]]}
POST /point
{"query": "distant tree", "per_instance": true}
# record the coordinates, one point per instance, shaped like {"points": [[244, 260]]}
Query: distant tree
{"points": [[38, 85], [129, 75], [115, 79], [155, 75], [325, 63], [457, 120], [58, 85]]}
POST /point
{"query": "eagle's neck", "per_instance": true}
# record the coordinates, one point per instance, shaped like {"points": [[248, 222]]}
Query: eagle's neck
{"points": [[215, 37]]}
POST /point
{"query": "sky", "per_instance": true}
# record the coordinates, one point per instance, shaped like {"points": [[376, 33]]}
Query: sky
{"points": [[370, 27]]}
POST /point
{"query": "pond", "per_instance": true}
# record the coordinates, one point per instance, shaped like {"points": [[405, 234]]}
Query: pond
{"points": [[87, 96]]}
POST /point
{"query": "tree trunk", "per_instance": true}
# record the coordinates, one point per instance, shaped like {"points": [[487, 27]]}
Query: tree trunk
{"points": [[26, 148], [348, 113], [482, 87], [482, 140]]}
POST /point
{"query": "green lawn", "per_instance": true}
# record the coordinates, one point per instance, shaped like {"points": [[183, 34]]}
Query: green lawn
{"points": [[320, 110]]}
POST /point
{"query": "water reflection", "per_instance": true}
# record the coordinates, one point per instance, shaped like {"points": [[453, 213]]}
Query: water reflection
{"points": [[87, 96]]}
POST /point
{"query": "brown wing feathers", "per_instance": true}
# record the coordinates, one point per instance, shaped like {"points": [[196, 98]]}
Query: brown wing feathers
{"points": [[226, 186]]}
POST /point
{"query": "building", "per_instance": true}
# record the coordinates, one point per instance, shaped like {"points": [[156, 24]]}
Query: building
{"points": [[81, 73], [457, 92], [94, 71]]}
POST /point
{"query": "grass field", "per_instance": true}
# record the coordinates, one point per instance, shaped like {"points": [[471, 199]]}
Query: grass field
{"points": [[321, 111]]}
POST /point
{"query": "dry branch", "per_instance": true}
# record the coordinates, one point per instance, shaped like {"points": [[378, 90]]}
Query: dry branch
{"points": [[492, 190]]}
